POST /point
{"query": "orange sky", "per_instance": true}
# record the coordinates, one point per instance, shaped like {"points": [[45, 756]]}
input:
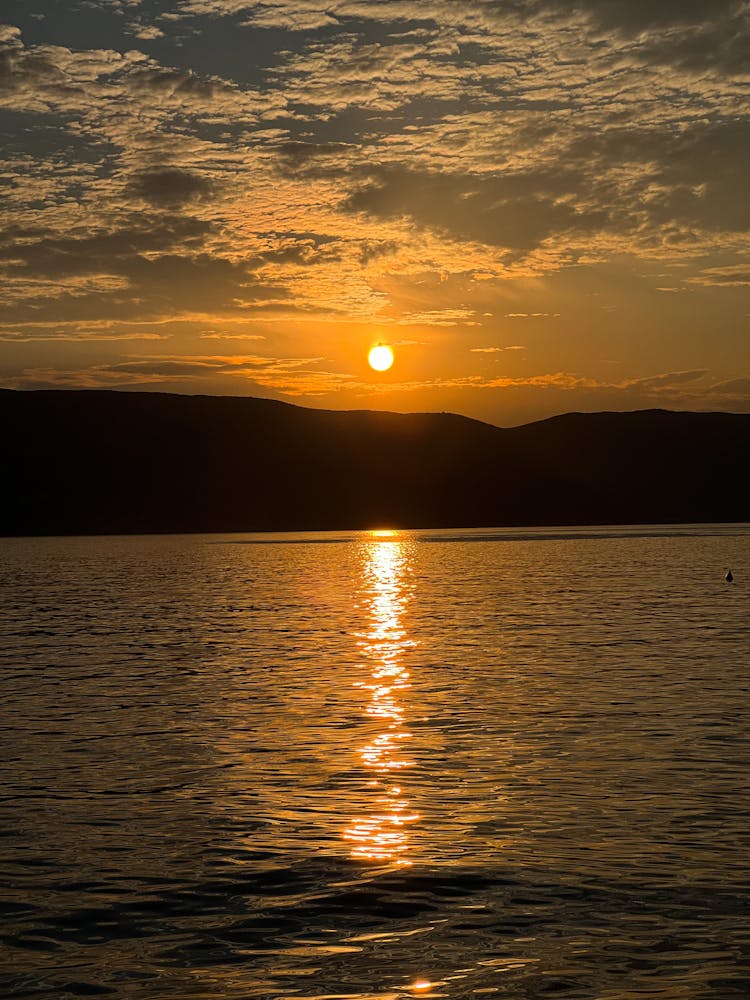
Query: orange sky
{"points": [[541, 205]]}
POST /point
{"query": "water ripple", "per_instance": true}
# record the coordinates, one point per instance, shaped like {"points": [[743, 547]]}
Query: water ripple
{"points": [[448, 764]]}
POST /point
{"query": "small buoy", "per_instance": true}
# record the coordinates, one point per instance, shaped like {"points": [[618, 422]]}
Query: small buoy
{"points": [[729, 577]]}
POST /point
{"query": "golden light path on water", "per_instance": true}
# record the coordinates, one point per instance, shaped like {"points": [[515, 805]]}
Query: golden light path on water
{"points": [[383, 835]]}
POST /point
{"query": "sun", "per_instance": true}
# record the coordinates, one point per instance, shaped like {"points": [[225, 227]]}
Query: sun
{"points": [[380, 357]]}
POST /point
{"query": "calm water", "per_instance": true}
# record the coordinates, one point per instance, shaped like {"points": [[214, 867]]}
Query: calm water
{"points": [[438, 764]]}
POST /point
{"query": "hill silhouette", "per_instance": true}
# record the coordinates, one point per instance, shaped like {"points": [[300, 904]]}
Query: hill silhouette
{"points": [[90, 462]]}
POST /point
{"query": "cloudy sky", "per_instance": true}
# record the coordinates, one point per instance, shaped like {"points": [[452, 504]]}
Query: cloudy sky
{"points": [[542, 204]]}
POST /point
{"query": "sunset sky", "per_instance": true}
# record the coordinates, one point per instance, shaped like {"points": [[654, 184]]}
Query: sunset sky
{"points": [[540, 204]]}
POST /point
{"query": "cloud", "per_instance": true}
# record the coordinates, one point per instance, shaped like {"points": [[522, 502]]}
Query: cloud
{"points": [[28, 333], [552, 380], [639, 15], [667, 380], [515, 212], [373, 250], [169, 186], [496, 350], [290, 376], [146, 32], [235, 328], [303, 377], [303, 15], [303, 152], [440, 317], [733, 388], [732, 276], [130, 273], [213, 335], [693, 34], [50, 254], [172, 83], [50, 77]]}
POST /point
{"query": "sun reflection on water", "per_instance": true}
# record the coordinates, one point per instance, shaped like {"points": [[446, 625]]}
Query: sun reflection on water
{"points": [[383, 835]]}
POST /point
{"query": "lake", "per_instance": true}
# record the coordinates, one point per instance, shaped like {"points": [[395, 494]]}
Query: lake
{"points": [[377, 765]]}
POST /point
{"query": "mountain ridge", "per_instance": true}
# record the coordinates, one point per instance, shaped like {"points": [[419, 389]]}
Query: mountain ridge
{"points": [[95, 461]]}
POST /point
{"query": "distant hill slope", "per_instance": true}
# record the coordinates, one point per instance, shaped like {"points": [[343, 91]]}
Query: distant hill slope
{"points": [[108, 462]]}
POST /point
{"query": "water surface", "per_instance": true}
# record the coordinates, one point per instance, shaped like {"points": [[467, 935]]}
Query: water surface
{"points": [[444, 764]]}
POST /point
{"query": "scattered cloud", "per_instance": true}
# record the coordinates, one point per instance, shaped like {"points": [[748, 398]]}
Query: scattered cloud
{"points": [[169, 186], [736, 388], [496, 350], [733, 276], [516, 212], [666, 381]]}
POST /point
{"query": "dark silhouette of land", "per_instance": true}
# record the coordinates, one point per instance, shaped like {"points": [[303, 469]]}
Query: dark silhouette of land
{"points": [[89, 462]]}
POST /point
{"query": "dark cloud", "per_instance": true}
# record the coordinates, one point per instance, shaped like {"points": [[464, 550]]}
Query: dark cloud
{"points": [[316, 160], [515, 211], [719, 45], [715, 207], [694, 175], [375, 249], [681, 153], [668, 379], [158, 367], [19, 68], [165, 287], [161, 263], [199, 281], [302, 253], [169, 186], [639, 15], [734, 276], [12, 233], [302, 152], [174, 83], [703, 173], [98, 253], [735, 386], [692, 34]]}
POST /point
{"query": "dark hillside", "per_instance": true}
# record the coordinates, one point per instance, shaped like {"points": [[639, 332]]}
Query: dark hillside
{"points": [[108, 462]]}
